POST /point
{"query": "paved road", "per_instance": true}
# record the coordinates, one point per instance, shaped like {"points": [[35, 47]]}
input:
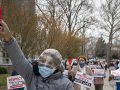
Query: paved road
{"points": [[106, 83]]}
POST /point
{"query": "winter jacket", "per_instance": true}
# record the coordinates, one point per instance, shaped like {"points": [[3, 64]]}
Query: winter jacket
{"points": [[73, 73], [99, 80], [56, 81], [112, 84]]}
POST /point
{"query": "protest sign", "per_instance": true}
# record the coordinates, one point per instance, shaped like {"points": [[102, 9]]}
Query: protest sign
{"points": [[116, 78], [112, 68], [14, 82], [93, 66], [84, 80], [98, 72], [89, 63], [65, 72], [116, 74]]}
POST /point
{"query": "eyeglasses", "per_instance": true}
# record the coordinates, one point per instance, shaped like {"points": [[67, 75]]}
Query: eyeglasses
{"points": [[43, 61]]}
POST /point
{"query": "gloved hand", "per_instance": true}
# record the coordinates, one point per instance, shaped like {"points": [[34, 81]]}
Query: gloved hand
{"points": [[103, 75]]}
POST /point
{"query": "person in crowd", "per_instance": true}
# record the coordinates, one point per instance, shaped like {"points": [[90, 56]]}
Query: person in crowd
{"points": [[66, 64], [112, 82], [115, 65], [105, 66], [74, 63], [66, 68], [81, 67], [29, 61], [50, 67], [110, 65], [13, 74], [99, 81], [70, 61]]}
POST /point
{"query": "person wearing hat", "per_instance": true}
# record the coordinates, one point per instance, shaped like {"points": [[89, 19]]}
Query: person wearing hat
{"points": [[50, 67]]}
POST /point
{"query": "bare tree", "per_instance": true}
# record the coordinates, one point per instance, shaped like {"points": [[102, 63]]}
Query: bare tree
{"points": [[72, 10], [110, 14]]}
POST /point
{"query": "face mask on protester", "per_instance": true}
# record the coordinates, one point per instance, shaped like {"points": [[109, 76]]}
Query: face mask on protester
{"points": [[81, 64], [46, 66], [98, 67], [45, 71], [49, 61]]}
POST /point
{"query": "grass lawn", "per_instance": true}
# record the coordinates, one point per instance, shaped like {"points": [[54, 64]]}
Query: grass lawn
{"points": [[3, 81]]}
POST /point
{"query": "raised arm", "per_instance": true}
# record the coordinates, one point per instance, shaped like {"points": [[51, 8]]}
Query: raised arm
{"points": [[20, 63], [5, 31]]}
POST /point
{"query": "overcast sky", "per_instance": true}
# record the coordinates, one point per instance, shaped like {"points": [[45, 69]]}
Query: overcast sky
{"points": [[97, 32]]}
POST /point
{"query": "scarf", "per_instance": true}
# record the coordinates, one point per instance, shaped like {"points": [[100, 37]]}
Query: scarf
{"points": [[83, 70]]}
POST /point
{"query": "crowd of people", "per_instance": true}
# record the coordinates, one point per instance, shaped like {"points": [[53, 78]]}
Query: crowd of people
{"points": [[98, 81], [47, 72]]}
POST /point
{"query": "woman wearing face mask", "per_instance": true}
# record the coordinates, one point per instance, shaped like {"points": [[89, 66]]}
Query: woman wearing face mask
{"points": [[99, 81], [110, 65], [48, 74], [81, 67]]}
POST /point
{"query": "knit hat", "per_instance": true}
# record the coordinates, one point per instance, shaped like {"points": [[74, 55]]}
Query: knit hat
{"points": [[56, 56]]}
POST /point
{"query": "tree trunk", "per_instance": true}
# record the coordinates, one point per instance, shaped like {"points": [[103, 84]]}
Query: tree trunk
{"points": [[109, 49]]}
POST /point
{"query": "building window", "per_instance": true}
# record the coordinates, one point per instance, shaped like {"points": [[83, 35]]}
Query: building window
{"points": [[5, 61]]}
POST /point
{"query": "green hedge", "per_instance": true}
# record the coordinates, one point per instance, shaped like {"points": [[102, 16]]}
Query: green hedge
{"points": [[3, 70], [3, 81]]}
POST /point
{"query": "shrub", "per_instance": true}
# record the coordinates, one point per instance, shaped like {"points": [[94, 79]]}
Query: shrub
{"points": [[5, 70], [1, 70]]}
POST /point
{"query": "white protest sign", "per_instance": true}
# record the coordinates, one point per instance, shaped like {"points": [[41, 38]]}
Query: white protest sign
{"points": [[93, 66], [14, 82], [98, 72], [65, 72], [116, 74], [112, 68], [84, 80]]}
